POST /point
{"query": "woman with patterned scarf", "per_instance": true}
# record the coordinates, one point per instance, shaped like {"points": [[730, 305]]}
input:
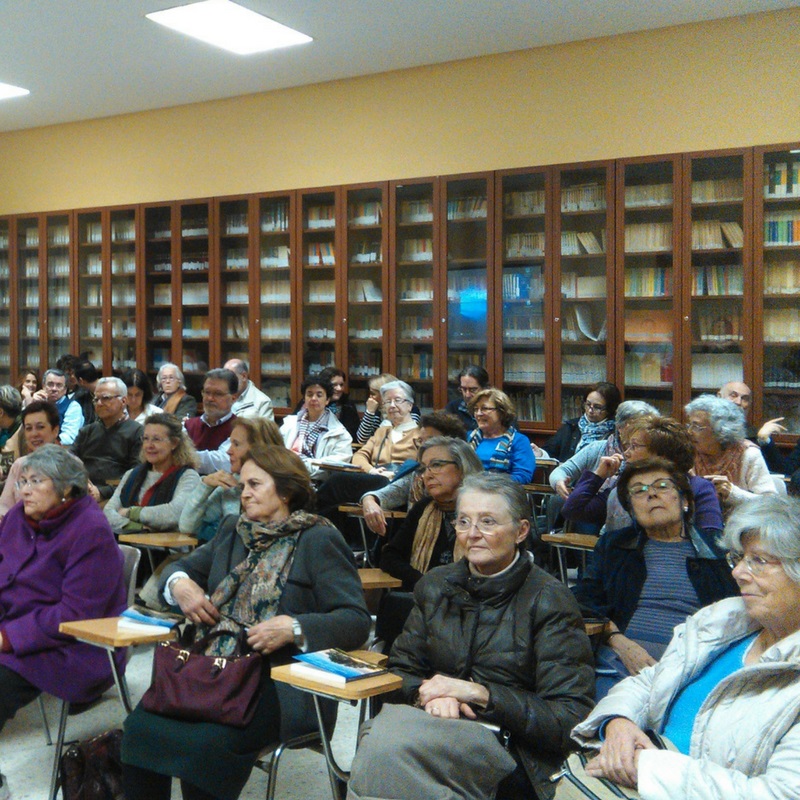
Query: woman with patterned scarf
{"points": [[315, 433], [287, 577], [499, 445]]}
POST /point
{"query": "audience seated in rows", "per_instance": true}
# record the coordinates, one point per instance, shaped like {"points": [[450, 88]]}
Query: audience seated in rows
{"points": [[151, 495], [314, 433], [250, 400], [110, 446], [211, 431], [218, 495]]}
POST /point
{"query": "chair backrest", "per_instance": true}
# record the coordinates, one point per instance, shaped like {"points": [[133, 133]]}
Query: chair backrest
{"points": [[130, 567]]}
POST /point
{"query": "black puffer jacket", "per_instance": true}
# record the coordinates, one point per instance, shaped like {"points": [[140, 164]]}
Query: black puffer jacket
{"points": [[521, 635]]}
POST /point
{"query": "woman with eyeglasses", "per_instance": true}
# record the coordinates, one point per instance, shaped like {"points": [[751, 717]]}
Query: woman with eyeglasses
{"points": [[723, 455], [643, 437], [152, 495], [596, 423], [374, 411], [647, 578], [491, 638], [726, 691], [496, 440], [173, 397]]}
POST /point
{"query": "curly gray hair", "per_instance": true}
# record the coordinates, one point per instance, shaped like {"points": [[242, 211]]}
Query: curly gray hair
{"points": [[68, 474], [725, 418]]}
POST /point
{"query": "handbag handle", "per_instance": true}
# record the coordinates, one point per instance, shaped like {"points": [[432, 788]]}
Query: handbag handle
{"points": [[200, 645]]}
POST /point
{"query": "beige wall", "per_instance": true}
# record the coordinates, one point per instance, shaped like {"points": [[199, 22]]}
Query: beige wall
{"points": [[721, 84]]}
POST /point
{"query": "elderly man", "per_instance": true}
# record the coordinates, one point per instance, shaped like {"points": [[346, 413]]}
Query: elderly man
{"points": [[211, 431], [110, 446], [250, 401], [54, 383]]}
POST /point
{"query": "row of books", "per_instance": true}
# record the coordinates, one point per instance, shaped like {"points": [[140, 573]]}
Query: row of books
{"points": [[583, 369], [715, 369], [578, 286], [719, 324], [160, 325], [195, 294], [417, 250], [415, 289], [576, 243], [519, 328], [91, 327], [162, 294], [782, 325], [321, 254], [318, 330], [416, 210], [525, 245], [235, 224], [523, 285], [782, 277], [779, 376], [782, 227], [279, 393], [31, 267], [711, 234], [194, 226], [57, 328], [369, 327], [236, 327], [235, 258], [718, 279], [584, 323], [366, 370], [418, 366], [648, 325], [121, 295], [524, 367], [323, 291], [458, 361], [583, 197], [467, 283], [782, 179], [276, 328], [275, 217], [529, 405], [718, 190], [124, 328], [648, 195], [58, 266], [237, 292], [196, 326], [524, 203], [30, 237], [30, 297], [276, 291], [369, 212], [275, 256], [360, 290], [57, 235], [459, 208], [277, 364], [365, 252], [648, 237], [415, 328], [195, 263], [648, 282], [321, 217], [648, 369]]}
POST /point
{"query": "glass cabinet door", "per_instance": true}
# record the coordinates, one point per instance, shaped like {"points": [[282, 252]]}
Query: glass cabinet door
{"points": [[158, 282], [414, 257], [90, 285], [716, 228], [123, 288], [194, 293], [319, 250], [5, 303], [28, 299], [777, 238], [59, 339], [275, 311], [367, 285], [522, 249], [234, 265], [584, 246], [468, 254], [647, 253]]}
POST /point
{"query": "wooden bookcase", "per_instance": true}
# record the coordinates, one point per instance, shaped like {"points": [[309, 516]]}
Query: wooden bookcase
{"points": [[668, 275]]}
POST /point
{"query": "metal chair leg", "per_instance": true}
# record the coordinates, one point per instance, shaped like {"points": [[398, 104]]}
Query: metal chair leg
{"points": [[46, 724], [62, 729]]}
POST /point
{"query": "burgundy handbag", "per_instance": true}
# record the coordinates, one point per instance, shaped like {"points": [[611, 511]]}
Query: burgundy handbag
{"points": [[187, 684]]}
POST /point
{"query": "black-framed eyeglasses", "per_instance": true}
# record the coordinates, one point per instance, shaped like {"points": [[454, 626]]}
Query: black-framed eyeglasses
{"points": [[593, 406], [435, 466]]}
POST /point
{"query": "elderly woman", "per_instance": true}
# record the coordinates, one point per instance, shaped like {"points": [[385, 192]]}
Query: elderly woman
{"points": [[492, 638], [722, 454], [648, 578], [285, 576], [217, 495], [173, 397], [59, 562], [644, 437], [140, 395], [314, 433], [373, 417], [597, 423], [499, 445], [40, 426], [152, 495], [726, 691]]}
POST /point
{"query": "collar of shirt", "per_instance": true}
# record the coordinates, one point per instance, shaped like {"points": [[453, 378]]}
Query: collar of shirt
{"points": [[218, 422]]}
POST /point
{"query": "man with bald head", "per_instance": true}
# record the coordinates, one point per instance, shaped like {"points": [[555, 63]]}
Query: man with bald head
{"points": [[250, 401]]}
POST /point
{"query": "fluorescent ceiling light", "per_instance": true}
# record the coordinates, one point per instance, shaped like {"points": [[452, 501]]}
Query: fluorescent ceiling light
{"points": [[7, 90], [230, 26]]}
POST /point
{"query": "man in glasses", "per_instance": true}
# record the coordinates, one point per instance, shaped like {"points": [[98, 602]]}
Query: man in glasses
{"points": [[211, 432], [110, 446]]}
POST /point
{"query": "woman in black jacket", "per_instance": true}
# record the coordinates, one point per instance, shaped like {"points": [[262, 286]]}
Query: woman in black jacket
{"points": [[492, 638]]}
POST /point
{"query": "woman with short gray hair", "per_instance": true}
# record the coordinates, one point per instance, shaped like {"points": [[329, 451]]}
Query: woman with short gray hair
{"points": [[60, 563], [173, 397], [732, 463]]}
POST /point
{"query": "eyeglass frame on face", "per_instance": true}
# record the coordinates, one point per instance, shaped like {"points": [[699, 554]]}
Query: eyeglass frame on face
{"points": [[646, 488], [168, 377], [630, 447], [696, 427], [105, 398], [486, 527], [587, 406], [214, 394], [155, 439], [34, 482], [755, 565], [483, 410], [435, 466], [395, 401]]}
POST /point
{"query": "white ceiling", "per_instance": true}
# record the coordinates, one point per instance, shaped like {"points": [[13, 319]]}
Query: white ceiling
{"points": [[83, 59]]}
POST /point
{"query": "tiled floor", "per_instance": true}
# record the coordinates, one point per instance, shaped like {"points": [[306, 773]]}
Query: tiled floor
{"points": [[27, 761]]}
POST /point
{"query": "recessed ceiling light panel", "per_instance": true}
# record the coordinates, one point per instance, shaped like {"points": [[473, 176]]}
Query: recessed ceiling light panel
{"points": [[7, 90], [230, 26]]}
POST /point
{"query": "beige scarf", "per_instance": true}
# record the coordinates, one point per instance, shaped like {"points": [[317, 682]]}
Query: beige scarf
{"points": [[428, 531]]}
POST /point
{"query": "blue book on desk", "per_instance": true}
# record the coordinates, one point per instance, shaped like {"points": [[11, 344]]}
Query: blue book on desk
{"points": [[338, 663], [149, 618]]}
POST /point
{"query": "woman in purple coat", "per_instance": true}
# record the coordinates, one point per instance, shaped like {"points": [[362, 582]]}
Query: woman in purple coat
{"points": [[59, 561]]}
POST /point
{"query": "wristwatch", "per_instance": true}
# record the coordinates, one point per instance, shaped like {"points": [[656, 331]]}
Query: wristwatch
{"points": [[299, 638]]}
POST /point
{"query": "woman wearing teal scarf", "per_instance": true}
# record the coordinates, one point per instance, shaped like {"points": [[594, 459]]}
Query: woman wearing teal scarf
{"points": [[285, 575]]}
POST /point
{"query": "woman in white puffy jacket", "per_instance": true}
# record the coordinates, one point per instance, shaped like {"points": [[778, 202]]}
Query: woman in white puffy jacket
{"points": [[727, 690], [314, 433]]}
